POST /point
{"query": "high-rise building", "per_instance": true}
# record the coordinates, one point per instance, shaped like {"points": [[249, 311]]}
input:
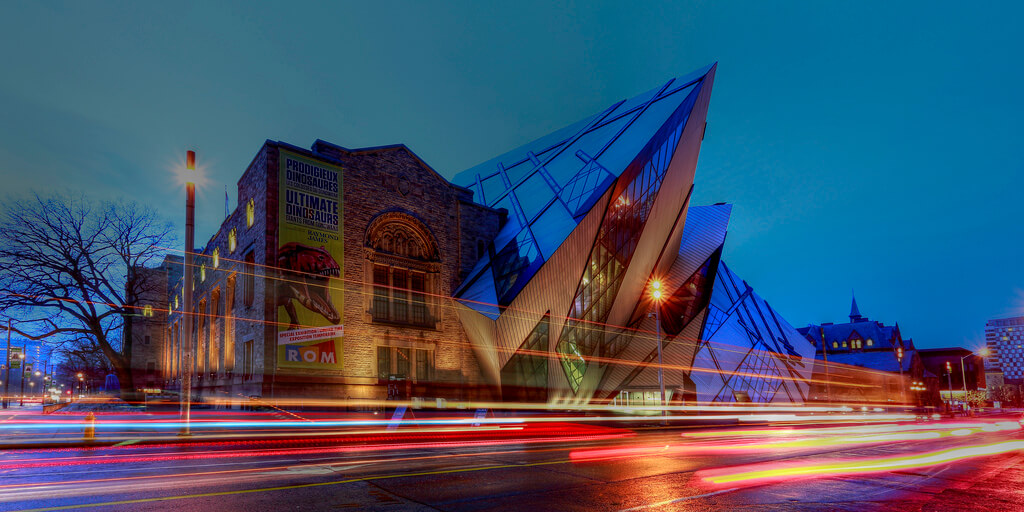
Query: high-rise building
{"points": [[1004, 338]]}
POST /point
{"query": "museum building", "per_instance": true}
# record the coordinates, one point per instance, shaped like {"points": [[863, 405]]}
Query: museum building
{"points": [[365, 274]]}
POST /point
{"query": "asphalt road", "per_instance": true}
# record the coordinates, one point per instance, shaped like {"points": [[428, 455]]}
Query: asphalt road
{"points": [[939, 466]]}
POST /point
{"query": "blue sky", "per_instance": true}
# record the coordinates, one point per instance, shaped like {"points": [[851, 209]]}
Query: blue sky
{"points": [[864, 146]]}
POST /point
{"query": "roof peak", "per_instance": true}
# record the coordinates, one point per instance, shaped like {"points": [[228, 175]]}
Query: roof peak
{"points": [[855, 315]]}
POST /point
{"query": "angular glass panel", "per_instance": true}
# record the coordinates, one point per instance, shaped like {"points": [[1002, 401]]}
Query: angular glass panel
{"points": [[493, 188], [688, 300], [533, 195], [525, 376], [554, 225], [517, 256]]}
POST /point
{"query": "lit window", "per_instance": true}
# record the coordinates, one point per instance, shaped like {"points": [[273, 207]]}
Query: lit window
{"points": [[202, 273], [175, 302], [147, 311], [216, 257], [250, 213], [232, 240], [835, 344], [844, 344]]}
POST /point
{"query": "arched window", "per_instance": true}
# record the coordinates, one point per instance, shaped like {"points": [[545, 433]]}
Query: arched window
{"points": [[250, 213], [403, 266], [835, 344], [147, 310]]}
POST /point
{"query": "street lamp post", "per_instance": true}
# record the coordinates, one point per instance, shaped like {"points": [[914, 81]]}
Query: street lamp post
{"points": [[656, 293], [7, 376], [899, 360], [21, 356], [949, 377], [963, 375], [186, 312]]}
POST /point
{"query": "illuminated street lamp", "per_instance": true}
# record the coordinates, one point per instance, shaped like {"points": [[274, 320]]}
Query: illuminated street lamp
{"points": [[963, 375], [656, 294], [186, 315]]}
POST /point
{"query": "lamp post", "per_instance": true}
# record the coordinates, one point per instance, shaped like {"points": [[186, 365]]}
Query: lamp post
{"points": [[186, 312], [899, 360], [963, 375], [7, 376], [656, 294], [21, 356], [949, 377]]}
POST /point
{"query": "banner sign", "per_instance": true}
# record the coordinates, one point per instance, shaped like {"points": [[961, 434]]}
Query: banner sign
{"points": [[16, 357], [310, 259]]}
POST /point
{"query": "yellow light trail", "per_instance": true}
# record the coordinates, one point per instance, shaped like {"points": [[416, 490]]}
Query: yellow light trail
{"points": [[859, 466]]}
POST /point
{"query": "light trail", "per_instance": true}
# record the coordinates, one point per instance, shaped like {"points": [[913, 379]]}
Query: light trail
{"points": [[757, 474]]}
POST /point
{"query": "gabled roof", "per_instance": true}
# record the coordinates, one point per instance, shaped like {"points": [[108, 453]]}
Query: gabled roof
{"points": [[550, 184], [883, 360]]}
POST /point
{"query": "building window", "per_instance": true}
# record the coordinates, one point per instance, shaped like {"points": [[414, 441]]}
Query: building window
{"points": [[147, 310], [400, 296], [404, 265], [402, 363], [229, 326], [232, 240], [247, 360], [835, 344], [250, 213], [216, 257], [844, 344], [481, 249], [176, 302], [249, 287], [145, 340], [202, 273], [424, 368], [871, 342], [383, 362]]}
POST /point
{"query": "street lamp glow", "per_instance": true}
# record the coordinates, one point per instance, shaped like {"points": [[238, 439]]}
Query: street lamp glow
{"points": [[656, 286], [984, 352]]}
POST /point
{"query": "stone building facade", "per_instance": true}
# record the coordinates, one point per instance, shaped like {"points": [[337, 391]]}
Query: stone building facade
{"points": [[150, 348], [409, 237]]}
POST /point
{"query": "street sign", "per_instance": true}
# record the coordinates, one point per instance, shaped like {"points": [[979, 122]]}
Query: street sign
{"points": [[16, 357]]}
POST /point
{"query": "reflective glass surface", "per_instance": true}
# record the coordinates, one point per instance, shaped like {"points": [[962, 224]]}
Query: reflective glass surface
{"points": [[570, 169]]}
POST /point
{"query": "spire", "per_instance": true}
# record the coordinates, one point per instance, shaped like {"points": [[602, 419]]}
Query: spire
{"points": [[854, 312]]}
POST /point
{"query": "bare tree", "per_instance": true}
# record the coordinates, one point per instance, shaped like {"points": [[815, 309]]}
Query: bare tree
{"points": [[71, 260]]}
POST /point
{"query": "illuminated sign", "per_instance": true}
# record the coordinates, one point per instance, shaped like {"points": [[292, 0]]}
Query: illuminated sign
{"points": [[310, 259]]}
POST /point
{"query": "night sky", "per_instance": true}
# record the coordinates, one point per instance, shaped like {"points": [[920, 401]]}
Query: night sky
{"points": [[864, 148]]}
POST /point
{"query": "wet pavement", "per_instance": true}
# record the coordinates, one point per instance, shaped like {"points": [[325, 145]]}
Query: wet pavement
{"points": [[949, 465]]}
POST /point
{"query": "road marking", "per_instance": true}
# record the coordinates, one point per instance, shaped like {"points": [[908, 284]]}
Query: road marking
{"points": [[677, 500], [127, 442], [290, 487]]}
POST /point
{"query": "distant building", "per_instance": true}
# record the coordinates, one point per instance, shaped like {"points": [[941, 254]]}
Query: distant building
{"points": [[150, 349], [946, 363], [1004, 338], [864, 363]]}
